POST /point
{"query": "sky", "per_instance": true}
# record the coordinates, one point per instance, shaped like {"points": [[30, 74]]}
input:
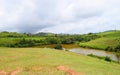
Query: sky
{"points": [[59, 16]]}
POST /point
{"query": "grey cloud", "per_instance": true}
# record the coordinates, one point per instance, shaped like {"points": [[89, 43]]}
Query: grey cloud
{"points": [[65, 16], [31, 28]]}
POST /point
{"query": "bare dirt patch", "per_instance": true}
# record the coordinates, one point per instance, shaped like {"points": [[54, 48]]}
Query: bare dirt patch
{"points": [[68, 70], [11, 73], [3, 73]]}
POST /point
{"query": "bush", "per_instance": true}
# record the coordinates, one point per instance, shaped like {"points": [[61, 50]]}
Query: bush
{"points": [[117, 48], [108, 59], [92, 55], [118, 56], [59, 47], [100, 57], [109, 48]]}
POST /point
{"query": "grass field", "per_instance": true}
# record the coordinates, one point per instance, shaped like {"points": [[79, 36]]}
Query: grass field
{"points": [[111, 39], [9, 41], [43, 61]]}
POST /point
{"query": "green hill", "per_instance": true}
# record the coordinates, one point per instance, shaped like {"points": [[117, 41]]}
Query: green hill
{"points": [[108, 39], [110, 33], [44, 61]]}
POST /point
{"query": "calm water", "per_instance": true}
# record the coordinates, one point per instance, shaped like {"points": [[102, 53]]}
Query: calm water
{"points": [[94, 52]]}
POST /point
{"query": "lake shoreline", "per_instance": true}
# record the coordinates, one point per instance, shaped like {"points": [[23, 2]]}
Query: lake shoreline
{"points": [[101, 53]]}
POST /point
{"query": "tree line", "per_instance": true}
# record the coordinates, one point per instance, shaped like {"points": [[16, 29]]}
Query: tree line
{"points": [[21, 39]]}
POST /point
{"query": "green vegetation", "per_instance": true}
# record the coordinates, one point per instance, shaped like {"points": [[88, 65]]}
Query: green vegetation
{"points": [[109, 41], [43, 61], [118, 56], [13, 39], [102, 57], [59, 47]]}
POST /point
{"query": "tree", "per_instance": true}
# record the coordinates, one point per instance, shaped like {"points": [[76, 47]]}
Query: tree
{"points": [[67, 41], [52, 41]]}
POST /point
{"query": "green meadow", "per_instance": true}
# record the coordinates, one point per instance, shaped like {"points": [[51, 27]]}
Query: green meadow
{"points": [[108, 39], [43, 61]]}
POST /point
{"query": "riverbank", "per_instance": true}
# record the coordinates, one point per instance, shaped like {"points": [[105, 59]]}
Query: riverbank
{"points": [[66, 46], [100, 53]]}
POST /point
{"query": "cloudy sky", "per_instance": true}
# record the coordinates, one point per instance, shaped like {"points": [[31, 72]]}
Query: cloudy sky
{"points": [[59, 16]]}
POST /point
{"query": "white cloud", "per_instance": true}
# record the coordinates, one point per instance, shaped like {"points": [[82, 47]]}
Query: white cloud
{"points": [[59, 16]]}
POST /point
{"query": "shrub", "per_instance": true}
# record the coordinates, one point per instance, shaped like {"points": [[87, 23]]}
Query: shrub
{"points": [[92, 55], [118, 56], [108, 59], [109, 48], [117, 48], [100, 57], [59, 47]]}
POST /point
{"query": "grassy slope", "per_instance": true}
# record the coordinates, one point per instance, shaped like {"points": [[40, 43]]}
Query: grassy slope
{"points": [[43, 61], [111, 39], [15, 40]]}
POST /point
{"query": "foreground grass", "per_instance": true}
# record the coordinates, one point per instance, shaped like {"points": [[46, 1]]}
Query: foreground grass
{"points": [[43, 61]]}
